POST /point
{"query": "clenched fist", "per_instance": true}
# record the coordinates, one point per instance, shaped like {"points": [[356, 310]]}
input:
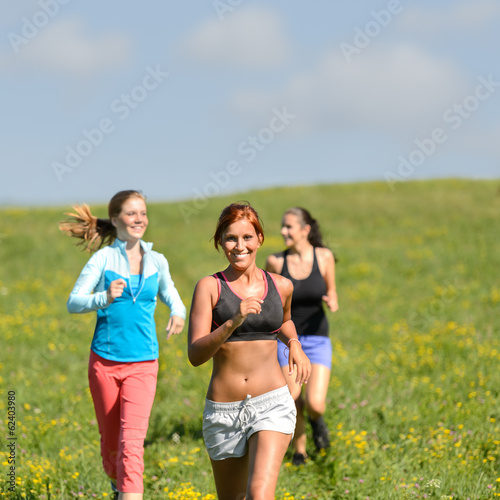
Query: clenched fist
{"points": [[115, 289]]}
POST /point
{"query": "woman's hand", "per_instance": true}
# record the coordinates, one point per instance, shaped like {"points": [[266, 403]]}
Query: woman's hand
{"points": [[175, 326], [251, 305], [297, 359], [331, 301], [115, 289]]}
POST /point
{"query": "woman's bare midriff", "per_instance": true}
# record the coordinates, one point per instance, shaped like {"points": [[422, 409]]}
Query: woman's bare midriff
{"points": [[245, 367]]}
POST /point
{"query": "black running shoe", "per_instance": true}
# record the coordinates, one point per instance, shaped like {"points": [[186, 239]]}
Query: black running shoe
{"points": [[321, 436], [298, 459], [114, 489]]}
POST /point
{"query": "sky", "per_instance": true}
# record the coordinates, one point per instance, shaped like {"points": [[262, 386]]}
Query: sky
{"points": [[195, 99]]}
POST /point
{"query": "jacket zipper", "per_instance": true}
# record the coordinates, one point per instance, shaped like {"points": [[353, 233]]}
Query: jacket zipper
{"points": [[134, 297]]}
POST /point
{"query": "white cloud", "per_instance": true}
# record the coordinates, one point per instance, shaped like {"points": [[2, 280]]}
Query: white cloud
{"points": [[249, 38], [466, 15], [485, 142], [63, 47], [397, 88], [476, 14]]}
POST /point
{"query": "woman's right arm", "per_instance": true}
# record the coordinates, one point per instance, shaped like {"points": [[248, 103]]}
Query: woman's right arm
{"points": [[82, 298], [202, 343], [274, 263]]}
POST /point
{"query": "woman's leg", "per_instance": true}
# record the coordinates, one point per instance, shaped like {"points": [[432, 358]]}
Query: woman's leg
{"points": [[315, 404], [266, 450], [316, 390], [299, 437], [104, 386], [231, 477], [137, 396]]}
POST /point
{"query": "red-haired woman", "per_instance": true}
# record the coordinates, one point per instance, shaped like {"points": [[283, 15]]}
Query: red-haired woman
{"points": [[121, 282], [311, 268], [236, 316]]}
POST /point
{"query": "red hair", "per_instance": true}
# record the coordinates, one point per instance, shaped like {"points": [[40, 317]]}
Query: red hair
{"points": [[233, 213]]}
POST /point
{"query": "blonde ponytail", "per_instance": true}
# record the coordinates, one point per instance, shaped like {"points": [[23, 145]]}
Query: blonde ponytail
{"points": [[93, 232]]}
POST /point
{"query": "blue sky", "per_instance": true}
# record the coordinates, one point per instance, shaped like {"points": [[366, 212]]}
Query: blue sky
{"points": [[186, 100]]}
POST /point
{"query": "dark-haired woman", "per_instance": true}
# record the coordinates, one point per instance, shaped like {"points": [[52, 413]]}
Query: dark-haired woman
{"points": [[235, 318], [311, 268], [121, 282]]}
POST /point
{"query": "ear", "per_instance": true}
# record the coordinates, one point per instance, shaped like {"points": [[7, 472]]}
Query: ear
{"points": [[307, 228], [260, 239], [113, 221]]}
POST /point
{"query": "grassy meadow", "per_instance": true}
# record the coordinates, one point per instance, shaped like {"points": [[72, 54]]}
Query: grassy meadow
{"points": [[413, 404]]}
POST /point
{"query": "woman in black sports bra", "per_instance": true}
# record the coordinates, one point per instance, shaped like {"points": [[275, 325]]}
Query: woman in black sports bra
{"points": [[236, 316], [311, 268]]}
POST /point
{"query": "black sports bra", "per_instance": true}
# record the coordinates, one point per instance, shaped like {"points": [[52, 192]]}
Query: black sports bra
{"points": [[263, 326]]}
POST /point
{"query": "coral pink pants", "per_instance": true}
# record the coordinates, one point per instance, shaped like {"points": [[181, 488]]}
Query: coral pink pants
{"points": [[123, 395]]}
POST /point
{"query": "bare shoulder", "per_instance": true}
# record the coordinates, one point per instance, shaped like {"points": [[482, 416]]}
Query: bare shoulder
{"points": [[324, 254], [326, 261], [274, 262], [207, 287], [209, 281], [284, 285]]}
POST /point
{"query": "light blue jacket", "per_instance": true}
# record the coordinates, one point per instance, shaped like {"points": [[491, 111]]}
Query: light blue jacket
{"points": [[125, 330]]}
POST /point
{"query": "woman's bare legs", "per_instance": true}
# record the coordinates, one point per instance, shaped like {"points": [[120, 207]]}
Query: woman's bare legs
{"points": [[255, 475], [231, 477], [316, 389], [314, 403], [266, 450]]}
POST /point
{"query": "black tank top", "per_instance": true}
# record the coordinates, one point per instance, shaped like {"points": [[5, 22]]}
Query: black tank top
{"points": [[308, 314], [263, 326]]}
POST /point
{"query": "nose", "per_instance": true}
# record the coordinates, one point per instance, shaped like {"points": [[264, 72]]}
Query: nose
{"points": [[283, 231], [240, 244]]}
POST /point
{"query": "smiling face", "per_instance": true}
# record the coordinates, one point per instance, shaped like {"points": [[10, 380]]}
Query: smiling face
{"points": [[132, 221], [240, 243], [292, 230]]}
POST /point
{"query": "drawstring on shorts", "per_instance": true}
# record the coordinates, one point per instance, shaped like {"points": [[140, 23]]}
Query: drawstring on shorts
{"points": [[247, 411]]}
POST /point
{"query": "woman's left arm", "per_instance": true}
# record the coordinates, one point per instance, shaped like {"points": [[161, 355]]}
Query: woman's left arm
{"points": [[288, 334], [170, 296], [327, 262]]}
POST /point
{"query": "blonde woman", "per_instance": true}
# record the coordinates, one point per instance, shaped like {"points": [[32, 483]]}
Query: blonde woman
{"points": [[121, 283]]}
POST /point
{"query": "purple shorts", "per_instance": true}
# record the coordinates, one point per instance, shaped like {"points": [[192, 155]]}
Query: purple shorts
{"points": [[318, 349]]}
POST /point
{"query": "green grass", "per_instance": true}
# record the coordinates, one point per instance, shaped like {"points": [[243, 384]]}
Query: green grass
{"points": [[413, 400]]}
